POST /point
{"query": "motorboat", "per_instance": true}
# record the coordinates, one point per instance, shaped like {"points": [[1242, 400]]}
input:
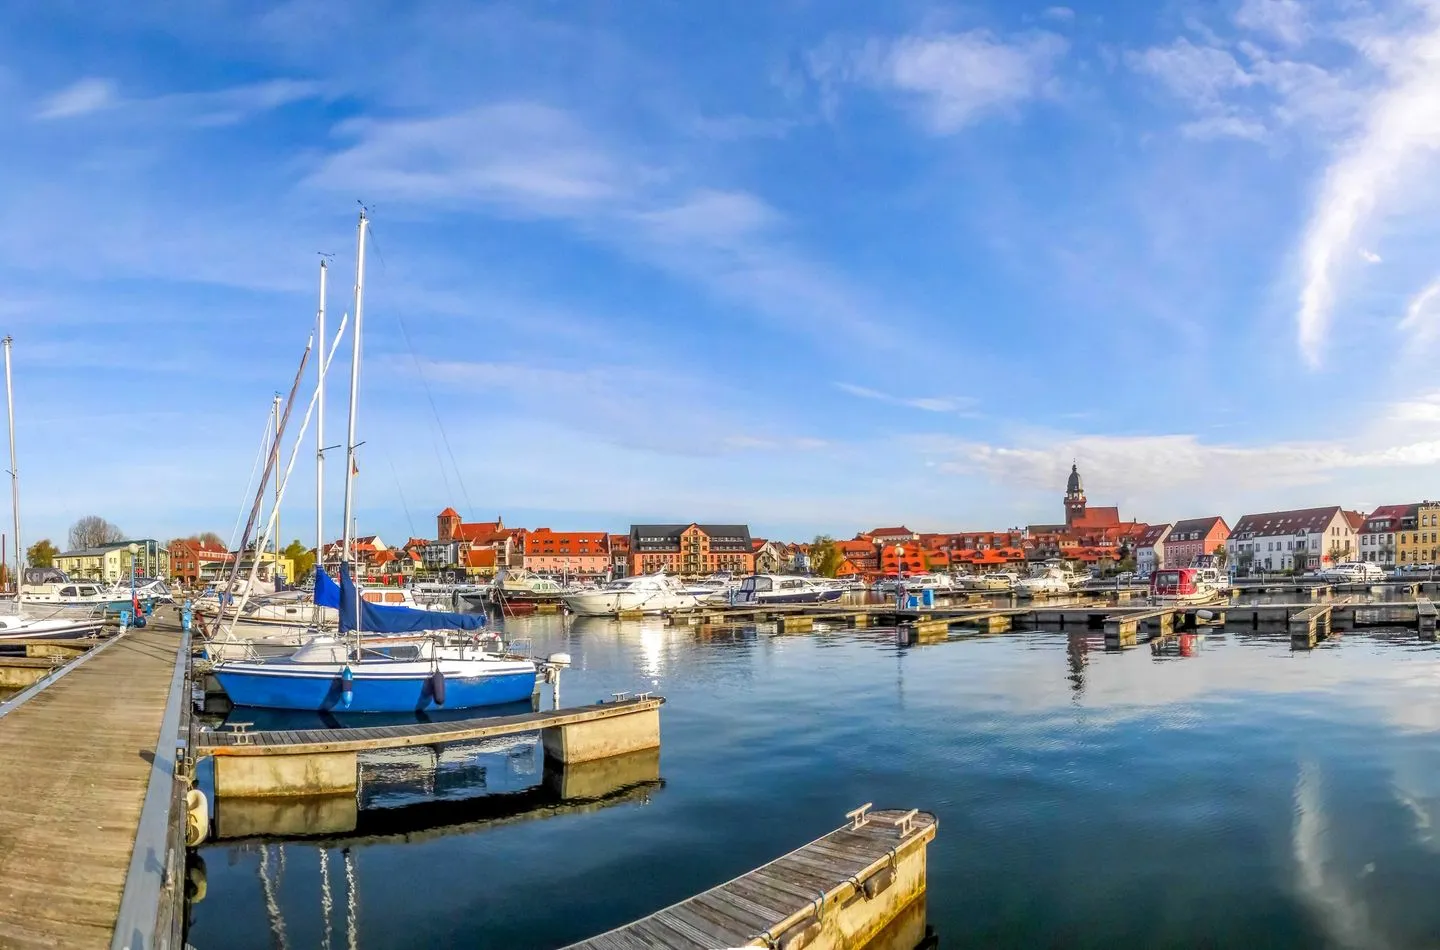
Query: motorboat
{"points": [[643, 593], [940, 583], [1186, 585], [1353, 572], [763, 589], [54, 587], [1049, 580], [521, 586], [995, 581], [17, 627]]}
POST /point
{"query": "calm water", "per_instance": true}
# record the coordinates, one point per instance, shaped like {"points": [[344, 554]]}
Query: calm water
{"points": [[1244, 796]]}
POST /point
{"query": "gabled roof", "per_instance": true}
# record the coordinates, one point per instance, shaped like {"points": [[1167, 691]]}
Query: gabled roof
{"points": [[481, 532], [1273, 523], [1097, 518], [1196, 526], [1354, 519], [1153, 535], [898, 529], [449, 513], [1376, 523], [480, 557]]}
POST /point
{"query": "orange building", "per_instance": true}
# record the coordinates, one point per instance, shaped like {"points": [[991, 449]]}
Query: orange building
{"points": [[692, 549], [567, 552]]}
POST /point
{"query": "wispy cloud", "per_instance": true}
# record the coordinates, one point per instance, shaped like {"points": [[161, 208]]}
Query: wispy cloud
{"points": [[950, 79], [1422, 315], [81, 98], [1369, 256], [960, 404], [1059, 14]]}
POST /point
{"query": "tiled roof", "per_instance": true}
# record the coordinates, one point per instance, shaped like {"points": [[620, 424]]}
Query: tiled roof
{"points": [[480, 557], [1196, 526], [898, 529], [1355, 519], [1153, 534], [1376, 523], [1097, 518], [1272, 523], [449, 513]]}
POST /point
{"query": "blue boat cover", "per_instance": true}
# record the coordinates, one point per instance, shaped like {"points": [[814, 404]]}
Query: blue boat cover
{"points": [[382, 618], [327, 592]]}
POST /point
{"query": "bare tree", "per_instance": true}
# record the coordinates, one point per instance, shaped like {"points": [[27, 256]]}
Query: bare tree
{"points": [[212, 539], [92, 531]]}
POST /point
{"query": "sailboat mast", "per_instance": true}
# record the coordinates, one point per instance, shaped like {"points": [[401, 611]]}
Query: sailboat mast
{"points": [[320, 427], [354, 383], [277, 485], [14, 471]]}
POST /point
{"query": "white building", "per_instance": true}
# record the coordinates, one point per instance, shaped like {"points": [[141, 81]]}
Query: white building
{"points": [[1304, 539], [1150, 549], [1377, 534]]}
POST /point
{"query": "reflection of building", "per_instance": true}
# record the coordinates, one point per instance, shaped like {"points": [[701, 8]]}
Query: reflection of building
{"points": [[690, 549]]}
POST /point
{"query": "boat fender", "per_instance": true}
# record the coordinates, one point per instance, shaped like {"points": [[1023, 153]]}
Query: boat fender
{"points": [[1204, 615], [197, 818], [437, 687], [347, 687]]}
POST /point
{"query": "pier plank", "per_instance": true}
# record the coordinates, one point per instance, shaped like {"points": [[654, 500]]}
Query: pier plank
{"points": [[76, 768]]}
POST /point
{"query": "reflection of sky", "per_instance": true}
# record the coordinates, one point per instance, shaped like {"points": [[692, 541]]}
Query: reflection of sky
{"points": [[1245, 796]]}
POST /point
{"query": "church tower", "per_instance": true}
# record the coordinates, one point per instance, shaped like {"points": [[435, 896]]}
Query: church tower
{"points": [[447, 524], [1074, 498]]}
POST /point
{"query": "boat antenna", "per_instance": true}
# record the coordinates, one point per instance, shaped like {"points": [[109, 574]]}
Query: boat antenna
{"points": [[14, 471]]}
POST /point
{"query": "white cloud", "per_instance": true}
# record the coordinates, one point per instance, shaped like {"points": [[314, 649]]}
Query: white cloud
{"points": [[1061, 14], [1422, 316], [953, 79], [927, 403], [1369, 256], [1422, 408], [1285, 20], [81, 98]]}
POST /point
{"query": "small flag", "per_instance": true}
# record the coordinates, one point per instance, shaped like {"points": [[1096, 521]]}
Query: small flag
{"points": [[354, 469]]}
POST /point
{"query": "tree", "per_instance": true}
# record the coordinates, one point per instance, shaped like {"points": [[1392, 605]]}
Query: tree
{"points": [[92, 531], [1220, 556], [212, 539], [302, 557], [1339, 552], [825, 556], [41, 553]]}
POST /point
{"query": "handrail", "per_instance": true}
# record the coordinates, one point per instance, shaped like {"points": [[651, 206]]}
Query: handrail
{"points": [[153, 861]]}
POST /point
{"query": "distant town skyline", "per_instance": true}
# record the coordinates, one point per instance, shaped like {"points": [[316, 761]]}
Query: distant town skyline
{"points": [[875, 263]]}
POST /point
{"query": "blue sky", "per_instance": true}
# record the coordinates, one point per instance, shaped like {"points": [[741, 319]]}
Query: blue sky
{"points": [[814, 266]]}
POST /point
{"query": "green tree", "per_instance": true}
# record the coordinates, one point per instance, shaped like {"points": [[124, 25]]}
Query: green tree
{"points": [[41, 553], [825, 556], [302, 557], [1220, 557]]}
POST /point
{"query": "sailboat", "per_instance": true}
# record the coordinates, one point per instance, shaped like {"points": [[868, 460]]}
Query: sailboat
{"points": [[352, 673], [16, 626]]}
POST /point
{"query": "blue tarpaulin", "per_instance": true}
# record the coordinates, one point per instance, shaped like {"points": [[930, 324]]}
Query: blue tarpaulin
{"points": [[327, 592], [381, 618]]}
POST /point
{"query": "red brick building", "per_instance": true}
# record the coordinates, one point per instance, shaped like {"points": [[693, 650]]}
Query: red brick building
{"points": [[188, 560], [567, 552], [692, 549], [1193, 537]]}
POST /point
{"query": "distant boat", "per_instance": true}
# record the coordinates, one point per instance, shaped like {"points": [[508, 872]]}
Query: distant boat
{"points": [[1049, 580], [643, 593], [1186, 585], [761, 589]]}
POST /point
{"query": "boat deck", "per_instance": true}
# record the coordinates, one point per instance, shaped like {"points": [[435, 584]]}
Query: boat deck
{"points": [[77, 757]]}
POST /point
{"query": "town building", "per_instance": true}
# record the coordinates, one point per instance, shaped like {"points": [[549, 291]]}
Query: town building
{"points": [[1379, 535], [1298, 540], [1091, 535], [897, 535], [582, 553], [1151, 554], [862, 554], [190, 559], [450, 529], [771, 557], [1193, 538], [1428, 517], [112, 562], [619, 555], [1409, 548], [692, 549]]}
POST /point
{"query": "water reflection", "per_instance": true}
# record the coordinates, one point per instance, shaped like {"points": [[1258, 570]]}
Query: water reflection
{"points": [[1220, 792]]}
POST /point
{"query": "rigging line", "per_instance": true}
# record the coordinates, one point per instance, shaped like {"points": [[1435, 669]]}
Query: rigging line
{"points": [[401, 492], [249, 483], [430, 397]]}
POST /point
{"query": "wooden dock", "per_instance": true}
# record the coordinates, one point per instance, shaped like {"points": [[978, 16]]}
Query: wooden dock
{"points": [[323, 761], [834, 893], [1311, 625], [79, 752]]}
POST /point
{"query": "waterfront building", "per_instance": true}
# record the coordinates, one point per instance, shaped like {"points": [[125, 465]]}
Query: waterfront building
{"points": [[692, 549], [1150, 549], [481, 563], [1379, 535], [619, 555], [771, 557], [861, 553], [112, 562], [897, 535], [189, 560], [1193, 538], [1299, 540], [1409, 548], [508, 543], [1428, 518], [584, 553], [1090, 534]]}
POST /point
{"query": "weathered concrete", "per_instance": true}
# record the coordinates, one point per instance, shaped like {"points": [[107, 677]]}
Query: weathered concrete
{"points": [[62, 650], [18, 675], [281, 817], [860, 918], [601, 777], [599, 738], [1425, 618], [287, 776], [794, 624], [931, 631]]}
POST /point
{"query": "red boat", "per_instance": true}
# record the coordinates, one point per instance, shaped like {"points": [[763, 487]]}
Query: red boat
{"points": [[1185, 585]]}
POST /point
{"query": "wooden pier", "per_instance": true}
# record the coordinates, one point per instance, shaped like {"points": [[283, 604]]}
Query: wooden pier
{"points": [[88, 856], [835, 893], [1311, 625], [323, 761]]}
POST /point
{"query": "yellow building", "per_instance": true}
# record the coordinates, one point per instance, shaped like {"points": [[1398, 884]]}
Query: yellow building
{"points": [[111, 562], [1425, 547]]}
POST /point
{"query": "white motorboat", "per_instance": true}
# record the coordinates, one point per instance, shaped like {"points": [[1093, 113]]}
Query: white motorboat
{"points": [[940, 583], [761, 589], [643, 593], [996, 581], [15, 627], [1049, 580]]}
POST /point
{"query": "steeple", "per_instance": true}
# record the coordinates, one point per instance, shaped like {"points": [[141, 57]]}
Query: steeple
{"points": [[1074, 496]]}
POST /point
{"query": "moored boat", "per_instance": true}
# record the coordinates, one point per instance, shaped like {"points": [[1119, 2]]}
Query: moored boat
{"points": [[1186, 585], [762, 589], [643, 593]]}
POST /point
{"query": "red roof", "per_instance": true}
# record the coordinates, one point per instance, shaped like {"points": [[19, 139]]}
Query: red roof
{"points": [[1097, 518], [545, 541], [479, 557], [1387, 513], [481, 532], [898, 529], [1272, 523], [1355, 519], [449, 513]]}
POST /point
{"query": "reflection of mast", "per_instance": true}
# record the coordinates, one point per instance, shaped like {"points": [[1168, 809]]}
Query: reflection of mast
{"points": [[272, 909], [1077, 651], [326, 903], [352, 930]]}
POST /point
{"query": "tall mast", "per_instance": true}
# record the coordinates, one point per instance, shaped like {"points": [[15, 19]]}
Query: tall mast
{"points": [[320, 426], [14, 471], [354, 382], [277, 484]]}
